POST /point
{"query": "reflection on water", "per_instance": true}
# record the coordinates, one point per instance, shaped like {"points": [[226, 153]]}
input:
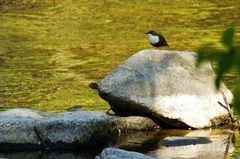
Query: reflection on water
{"points": [[167, 144], [48, 155]]}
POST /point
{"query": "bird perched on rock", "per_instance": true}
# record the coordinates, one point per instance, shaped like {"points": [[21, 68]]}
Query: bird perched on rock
{"points": [[156, 39]]}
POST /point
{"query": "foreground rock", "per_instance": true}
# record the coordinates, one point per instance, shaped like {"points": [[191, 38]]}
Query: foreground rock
{"points": [[166, 86], [114, 153], [30, 129], [75, 129], [17, 128]]}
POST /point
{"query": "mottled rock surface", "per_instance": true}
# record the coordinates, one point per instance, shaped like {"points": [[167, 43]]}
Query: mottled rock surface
{"points": [[80, 129], [114, 153], [17, 127], [165, 85], [133, 123]]}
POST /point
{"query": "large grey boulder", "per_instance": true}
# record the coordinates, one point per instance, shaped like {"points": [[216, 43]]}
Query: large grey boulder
{"points": [[166, 86], [114, 153]]}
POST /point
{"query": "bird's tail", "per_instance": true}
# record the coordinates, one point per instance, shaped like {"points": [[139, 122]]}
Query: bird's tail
{"points": [[165, 44]]}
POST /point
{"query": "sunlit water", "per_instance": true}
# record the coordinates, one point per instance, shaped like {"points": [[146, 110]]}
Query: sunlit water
{"points": [[51, 50]]}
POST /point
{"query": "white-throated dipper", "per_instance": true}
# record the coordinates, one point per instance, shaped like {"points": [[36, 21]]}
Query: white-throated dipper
{"points": [[156, 39]]}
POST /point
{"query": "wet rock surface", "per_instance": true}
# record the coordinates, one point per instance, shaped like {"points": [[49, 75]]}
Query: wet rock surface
{"points": [[166, 86], [114, 153]]}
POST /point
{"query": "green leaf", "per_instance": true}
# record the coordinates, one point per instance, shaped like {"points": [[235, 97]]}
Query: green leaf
{"points": [[208, 53], [225, 64], [236, 101], [228, 35], [218, 80], [226, 59], [237, 58]]}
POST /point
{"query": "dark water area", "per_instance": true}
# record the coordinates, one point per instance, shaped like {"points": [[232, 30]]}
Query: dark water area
{"points": [[167, 144]]}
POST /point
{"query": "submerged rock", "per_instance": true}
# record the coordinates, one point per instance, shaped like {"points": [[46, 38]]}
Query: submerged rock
{"points": [[166, 86], [114, 153]]}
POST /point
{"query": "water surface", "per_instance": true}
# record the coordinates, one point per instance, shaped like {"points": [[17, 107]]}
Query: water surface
{"points": [[51, 50], [167, 144]]}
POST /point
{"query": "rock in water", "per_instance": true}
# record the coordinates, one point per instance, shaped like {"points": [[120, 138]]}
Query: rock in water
{"points": [[17, 128], [114, 153], [27, 129], [75, 129], [166, 86]]}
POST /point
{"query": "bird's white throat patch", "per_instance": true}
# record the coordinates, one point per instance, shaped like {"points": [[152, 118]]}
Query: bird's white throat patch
{"points": [[153, 39]]}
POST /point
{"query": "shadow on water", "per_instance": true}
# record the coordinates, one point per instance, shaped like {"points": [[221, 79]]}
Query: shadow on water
{"points": [[167, 144]]}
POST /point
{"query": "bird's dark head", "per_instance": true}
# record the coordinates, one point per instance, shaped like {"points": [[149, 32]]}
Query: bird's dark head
{"points": [[151, 32]]}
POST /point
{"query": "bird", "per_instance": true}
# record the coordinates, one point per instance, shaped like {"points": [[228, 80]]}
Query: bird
{"points": [[156, 39]]}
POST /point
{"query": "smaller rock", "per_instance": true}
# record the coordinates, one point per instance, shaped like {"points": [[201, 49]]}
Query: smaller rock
{"points": [[93, 85], [135, 123], [114, 153]]}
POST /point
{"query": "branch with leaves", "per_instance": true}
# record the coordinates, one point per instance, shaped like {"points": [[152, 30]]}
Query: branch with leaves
{"points": [[224, 59]]}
